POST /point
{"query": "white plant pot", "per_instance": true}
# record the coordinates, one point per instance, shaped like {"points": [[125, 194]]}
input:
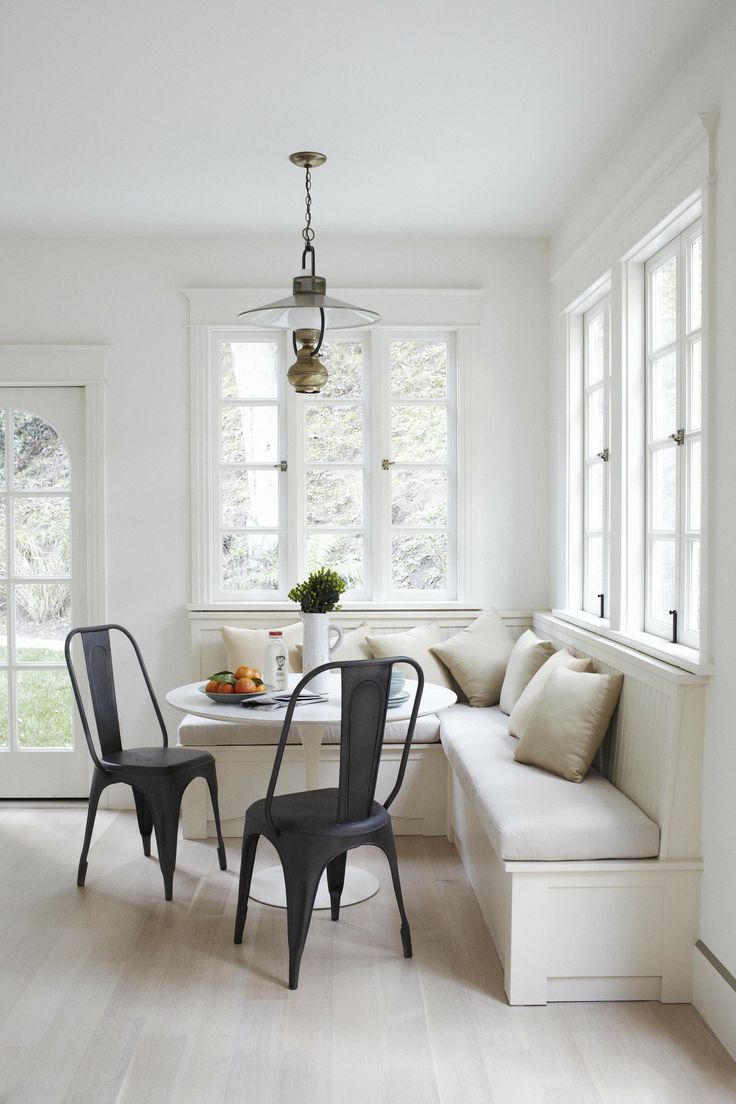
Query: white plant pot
{"points": [[318, 647]]}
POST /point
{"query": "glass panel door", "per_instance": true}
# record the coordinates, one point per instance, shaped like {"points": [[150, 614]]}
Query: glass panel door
{"points": [[42, 754]]}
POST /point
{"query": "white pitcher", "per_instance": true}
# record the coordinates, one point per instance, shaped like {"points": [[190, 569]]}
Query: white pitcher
{"points": [[318, 647]]}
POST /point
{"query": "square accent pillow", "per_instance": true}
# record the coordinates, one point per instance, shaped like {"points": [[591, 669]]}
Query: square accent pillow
{"points": [[354, 645], [415, 643], [569, 722], [248, 646], [477, 657], [527, 657], [525, 705]]}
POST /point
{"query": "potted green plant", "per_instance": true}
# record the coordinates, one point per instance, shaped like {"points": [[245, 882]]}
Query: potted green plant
{"points": [[318, 596]]}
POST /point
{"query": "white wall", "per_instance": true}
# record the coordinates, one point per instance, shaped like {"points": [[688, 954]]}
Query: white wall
{"points": [[708, 83], [125, 293]]}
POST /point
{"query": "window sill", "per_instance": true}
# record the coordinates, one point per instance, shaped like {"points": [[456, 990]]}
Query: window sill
{"points": [[688, 659]]}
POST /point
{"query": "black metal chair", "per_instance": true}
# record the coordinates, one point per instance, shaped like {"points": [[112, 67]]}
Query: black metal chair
{"points": [[158, 775], [313, 830]]}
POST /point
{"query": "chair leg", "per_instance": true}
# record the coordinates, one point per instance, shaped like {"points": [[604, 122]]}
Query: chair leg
{"points": [[212, 783], [166, 826], [250, 845], [388, 846], [98, 785], [335, 883], [302, 879], [145, 820]]}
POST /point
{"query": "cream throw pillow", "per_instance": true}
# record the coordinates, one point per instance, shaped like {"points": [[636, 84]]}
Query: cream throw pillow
{"points": [[525, 660], [569, 722], [415, 643], [354, 645], [524, 707], [247, 647], [477, 657]]}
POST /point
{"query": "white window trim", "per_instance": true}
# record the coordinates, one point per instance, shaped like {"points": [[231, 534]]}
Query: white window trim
{"points": [[421, 310]]}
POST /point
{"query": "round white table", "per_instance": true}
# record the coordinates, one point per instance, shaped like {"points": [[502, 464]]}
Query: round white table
{"points": [[267, 886]]}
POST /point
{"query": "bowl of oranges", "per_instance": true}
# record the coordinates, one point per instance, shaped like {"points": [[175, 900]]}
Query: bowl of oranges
{"points": [[231, 687]]}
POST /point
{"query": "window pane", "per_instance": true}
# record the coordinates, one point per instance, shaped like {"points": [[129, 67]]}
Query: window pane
{"points": [[250, 498], [44, 709], [3, 541], [419, 498], [419, 561], [40, 459], [342, 552], [662, 580], [595, 358], [594, 515], [344, 363], [419, 434], [2, 449], [250, 435], [334, 434], [42, 620], [250, 561], [419, 369], [248, 369], [42, 532], [663, 500], [593, 573], [335, 498], [4, 719], [695, 387], [696, 284], [692, 604], [693, 486], [664, 303], [595, 423], [3, 623], [663, 397]]}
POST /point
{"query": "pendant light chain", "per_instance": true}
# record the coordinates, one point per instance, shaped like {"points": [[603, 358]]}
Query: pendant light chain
{"points": [[308, 232]]}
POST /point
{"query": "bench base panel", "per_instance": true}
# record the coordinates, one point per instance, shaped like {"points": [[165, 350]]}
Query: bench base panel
{"points": [[582, 931], [243, 774]]}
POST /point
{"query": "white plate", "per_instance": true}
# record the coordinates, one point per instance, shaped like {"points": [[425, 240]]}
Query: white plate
{"points": [[398, 699]]}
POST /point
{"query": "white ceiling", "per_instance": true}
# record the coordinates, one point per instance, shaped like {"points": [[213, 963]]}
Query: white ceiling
{"points": [[437, 116]]}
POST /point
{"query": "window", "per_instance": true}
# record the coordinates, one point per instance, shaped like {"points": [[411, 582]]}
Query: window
{"points": [[361, 477], [673, 436], [596, 435]]}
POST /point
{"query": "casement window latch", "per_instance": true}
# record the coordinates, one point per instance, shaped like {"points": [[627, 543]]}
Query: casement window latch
{"points": [[282, 465], [678, 437], [604, 456], [386, 464]]}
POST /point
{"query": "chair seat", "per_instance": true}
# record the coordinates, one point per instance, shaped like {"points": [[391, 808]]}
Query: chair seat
{"points": [[314, 812], [155, 760]]}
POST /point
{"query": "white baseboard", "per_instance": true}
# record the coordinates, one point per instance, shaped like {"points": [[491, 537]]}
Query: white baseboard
{"points": [[715, 999]]}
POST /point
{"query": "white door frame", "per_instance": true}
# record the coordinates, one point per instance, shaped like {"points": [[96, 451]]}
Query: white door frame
{"points": [[82, 366]]}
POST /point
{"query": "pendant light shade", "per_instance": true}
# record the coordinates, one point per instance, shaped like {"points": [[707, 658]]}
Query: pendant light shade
{"points": [[308, 310]]}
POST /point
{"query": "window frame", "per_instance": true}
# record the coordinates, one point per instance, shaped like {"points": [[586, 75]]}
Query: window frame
{"points": [[601, 308]]}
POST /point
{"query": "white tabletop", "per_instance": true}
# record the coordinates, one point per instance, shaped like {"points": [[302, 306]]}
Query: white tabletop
{"points": [[190, 699]]}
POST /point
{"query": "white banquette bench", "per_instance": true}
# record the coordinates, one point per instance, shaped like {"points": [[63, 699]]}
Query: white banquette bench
{"points": [[590, 891]]}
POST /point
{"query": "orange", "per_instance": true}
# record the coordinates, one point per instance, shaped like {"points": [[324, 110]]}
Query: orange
{"points": [[211, 686], [244, 686], [224, 688]]}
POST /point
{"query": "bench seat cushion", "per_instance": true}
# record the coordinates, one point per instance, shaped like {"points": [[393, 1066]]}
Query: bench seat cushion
{"points": [[201, 732], [529, 814]]}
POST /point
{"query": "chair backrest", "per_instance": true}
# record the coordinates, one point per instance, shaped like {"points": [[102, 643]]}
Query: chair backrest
{"points": [[98, 660], [364, 702]]}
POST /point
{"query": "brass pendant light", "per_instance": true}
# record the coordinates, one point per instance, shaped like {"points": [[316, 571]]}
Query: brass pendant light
{"points": [[308, 311]]}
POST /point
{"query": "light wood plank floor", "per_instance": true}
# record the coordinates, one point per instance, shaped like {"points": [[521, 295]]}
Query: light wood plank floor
{"points": [[109, 994]]}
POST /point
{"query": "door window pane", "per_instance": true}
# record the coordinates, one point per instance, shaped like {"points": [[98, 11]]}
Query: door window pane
{"points": [[334, 434], [42, 530], [663, 397], [335, 498], [44, 709], [250, 561], [40, 458], [249, 369], [250, 498], [662, 579], [419, 434], [42, 620], [343, 552], [250, 435], [664, 303], [344, 363], [663, 496], [419, 369], [419, 561], [419, 498]]}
